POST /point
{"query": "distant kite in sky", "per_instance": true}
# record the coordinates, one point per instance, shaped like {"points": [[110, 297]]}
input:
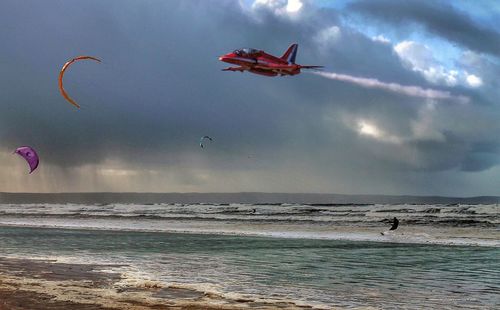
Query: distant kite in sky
{"points": [[203, 138], [30, 155], [61, 74]]}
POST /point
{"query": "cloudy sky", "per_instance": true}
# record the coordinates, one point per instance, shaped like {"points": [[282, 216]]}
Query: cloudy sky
{"points": [[407, 102]]}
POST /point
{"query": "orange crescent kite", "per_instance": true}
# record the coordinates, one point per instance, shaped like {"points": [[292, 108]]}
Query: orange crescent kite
{"points": [[61, 74]]}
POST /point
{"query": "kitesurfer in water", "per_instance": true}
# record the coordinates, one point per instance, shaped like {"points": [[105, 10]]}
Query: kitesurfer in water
{"points": [[395, 223]]}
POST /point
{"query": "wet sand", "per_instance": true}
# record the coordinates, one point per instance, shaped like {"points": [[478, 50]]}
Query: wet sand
{"points": [[41, 284]]}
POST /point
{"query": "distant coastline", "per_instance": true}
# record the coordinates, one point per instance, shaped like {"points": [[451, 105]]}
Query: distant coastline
{"points": [[243, 197]]}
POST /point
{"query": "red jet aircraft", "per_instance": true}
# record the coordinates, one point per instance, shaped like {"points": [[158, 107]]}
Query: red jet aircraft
{"points": [[259, 62]]}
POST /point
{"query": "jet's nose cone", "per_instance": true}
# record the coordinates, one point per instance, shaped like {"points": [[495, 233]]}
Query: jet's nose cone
{"points": [[226, 57]]}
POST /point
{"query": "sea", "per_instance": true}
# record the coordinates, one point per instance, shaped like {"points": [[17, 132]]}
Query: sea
{"points": [[324, 256]]}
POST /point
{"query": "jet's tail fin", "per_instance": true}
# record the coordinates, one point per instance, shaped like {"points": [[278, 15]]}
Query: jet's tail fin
{"points": [[290, 54]]}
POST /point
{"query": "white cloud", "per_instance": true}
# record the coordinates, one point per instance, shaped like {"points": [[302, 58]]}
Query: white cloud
{"points": [[416, 54], [328, 36], [424, 127], [419, 57], [271, 4], [439, 75], [474, 81], [294, 6], [380, 38], [280, 7], [367, 129], [370, 130]]}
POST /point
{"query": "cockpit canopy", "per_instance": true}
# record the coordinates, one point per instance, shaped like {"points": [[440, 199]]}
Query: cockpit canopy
{"points": [[246, 52]]}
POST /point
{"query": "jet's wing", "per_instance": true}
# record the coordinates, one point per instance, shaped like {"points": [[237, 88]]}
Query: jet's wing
{"points": [[289, 67], [275, 66], [311, 67], [241, 69]]}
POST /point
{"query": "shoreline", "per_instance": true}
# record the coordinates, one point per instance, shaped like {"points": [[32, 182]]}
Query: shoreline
{"points": [[44, 284]]}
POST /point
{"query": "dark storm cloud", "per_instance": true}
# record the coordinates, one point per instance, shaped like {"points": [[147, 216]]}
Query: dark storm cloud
{"points": [[159, 88], [437, 17]]}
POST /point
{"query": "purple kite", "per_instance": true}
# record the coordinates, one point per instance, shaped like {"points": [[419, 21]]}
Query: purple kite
{"points": [[30, 155]]}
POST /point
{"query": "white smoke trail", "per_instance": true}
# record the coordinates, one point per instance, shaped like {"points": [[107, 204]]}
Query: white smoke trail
{"points": [[408, 90]]}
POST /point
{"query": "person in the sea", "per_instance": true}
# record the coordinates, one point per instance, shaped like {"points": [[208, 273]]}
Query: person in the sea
{"points": [[395, 223]]}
